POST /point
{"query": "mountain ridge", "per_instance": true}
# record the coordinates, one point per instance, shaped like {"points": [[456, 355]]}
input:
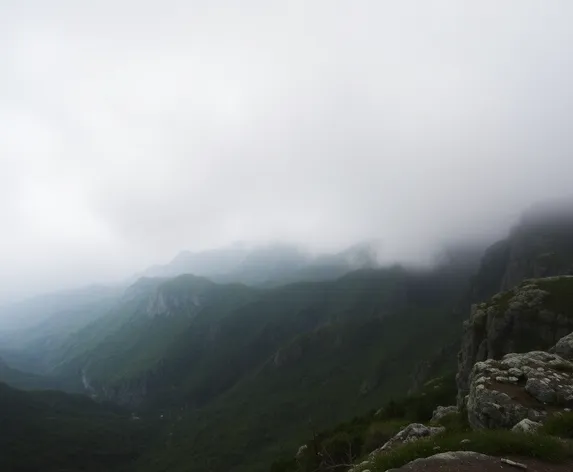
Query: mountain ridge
{"points": [[240, 370], [268, 265]]}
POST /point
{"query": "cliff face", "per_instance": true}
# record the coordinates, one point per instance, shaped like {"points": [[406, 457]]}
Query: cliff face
{"points": [[539, 248], [541, 245], [532, 316], [519, 314]]}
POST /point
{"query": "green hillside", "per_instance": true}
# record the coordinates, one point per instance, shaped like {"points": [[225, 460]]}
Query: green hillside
{"points": [[236, 377], [55, 432], [251, 367]]}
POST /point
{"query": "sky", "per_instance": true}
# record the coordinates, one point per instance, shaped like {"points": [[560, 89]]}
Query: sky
{"points": [[131, 130]]}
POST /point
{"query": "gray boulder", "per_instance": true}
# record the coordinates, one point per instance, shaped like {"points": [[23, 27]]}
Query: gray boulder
{"points": [[526, 426], [442, 411], [564, 347], [410, 433], [520, 386]]}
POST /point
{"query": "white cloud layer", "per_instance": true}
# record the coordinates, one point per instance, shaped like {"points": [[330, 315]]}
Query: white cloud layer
{"points": [[130, 130]]}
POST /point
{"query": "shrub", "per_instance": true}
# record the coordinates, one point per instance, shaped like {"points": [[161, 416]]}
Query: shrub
{"points": [[380, 432], [342, 448], [489, 442], [284, 465], [560, 424], [454, 422]]}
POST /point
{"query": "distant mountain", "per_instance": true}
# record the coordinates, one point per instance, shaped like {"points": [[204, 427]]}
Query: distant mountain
{"points": [[65, 306], [266, 265], [158, 319], [274, 343], [230, 354], [317, 352], [31, 329], [210, 263]]}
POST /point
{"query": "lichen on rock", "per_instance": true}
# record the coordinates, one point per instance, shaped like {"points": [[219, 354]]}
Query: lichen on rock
{"points": [[410, 433], [495, 401], [526, 318], [526, 426], [442, 411]]}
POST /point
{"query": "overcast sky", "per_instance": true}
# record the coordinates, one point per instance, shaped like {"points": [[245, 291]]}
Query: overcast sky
{"points": [[132, 129]]}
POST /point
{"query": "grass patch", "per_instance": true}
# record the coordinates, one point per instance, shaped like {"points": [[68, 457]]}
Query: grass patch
{"points": [[454, 423], [559, 425], [564, 367], [502, 301], [560, 298], [493, 443]]}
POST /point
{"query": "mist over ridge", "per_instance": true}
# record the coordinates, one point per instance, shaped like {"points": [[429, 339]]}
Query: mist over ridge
{"points": [[131, 131]]}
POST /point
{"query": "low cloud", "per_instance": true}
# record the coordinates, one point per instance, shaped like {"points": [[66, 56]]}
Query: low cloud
{"points": [[132, 130]]}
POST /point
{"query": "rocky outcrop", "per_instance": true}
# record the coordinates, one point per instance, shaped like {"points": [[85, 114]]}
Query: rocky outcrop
{"points": [[409, 434], [163, 303], [541, 245], [442, 411], [520, 386], [532, 316]]}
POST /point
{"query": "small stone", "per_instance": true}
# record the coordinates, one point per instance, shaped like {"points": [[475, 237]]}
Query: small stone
{"points": [[537, 416], [465, 441]]}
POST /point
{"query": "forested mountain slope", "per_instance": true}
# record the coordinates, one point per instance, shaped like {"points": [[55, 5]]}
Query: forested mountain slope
{"points": [[241, 374], [52, 431]]}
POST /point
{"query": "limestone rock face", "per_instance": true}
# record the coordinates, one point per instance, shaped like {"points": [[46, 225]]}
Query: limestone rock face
{"points": [[166, 304], [540, 245], [529, 317], [520, 386]]}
